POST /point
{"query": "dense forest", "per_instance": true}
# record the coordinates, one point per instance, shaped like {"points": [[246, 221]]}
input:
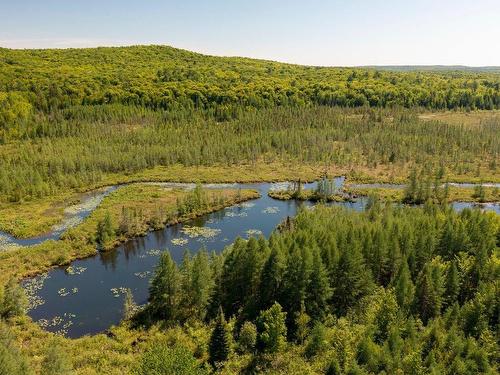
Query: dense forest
{"points": [[169, 78], [398, 288], [391, 289], [124, 110], [102, 140], [410, 290]]}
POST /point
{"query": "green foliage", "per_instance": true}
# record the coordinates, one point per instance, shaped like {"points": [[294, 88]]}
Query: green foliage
{"points": [[12, 362], [435, 313], [272, 329], [247, 338], [169, 78], [14, 301], [129, 306], [164, 291], [317, 342], [126, 141], [219, 342], [56, 361], [104, 231], [160, 359]]}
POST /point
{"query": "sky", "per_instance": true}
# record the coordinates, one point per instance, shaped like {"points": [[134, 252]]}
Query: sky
{"points": [[310, 32]]}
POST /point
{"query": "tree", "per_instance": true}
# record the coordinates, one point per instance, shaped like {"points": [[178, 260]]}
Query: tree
{"points": [[164, 291], [129, 306], [272, 329], [14, 300], [248, 337], [104, 231], [160, 359], [353, 280], [219, 342], [404, 288], [317, 340], [201, 284], [318, 289], [426, 299], [452, 287], [302, 321], [56, 362], [271, 279], [12, 362]]}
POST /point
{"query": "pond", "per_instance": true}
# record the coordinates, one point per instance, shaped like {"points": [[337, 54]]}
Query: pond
{"points": [[87, 297]]}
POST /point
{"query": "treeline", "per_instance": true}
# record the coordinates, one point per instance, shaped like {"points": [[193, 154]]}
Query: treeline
{"points": [[103, 140], [161, 77], [410, 290]]}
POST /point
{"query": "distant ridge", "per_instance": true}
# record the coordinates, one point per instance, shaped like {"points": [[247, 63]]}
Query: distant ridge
{"points": [[433, 68]]}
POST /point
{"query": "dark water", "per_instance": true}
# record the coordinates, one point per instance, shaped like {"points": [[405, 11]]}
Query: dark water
{"points": [[88, 297]]}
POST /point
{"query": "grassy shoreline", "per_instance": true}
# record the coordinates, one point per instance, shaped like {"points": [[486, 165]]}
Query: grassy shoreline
{"points": [[35, 217], [78, 242]]}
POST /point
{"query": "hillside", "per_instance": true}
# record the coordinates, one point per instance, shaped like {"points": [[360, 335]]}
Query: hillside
{"points": [[162, 77]]}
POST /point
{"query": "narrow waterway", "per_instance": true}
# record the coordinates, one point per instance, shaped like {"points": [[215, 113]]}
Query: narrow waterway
{"points": [[87, 297]]}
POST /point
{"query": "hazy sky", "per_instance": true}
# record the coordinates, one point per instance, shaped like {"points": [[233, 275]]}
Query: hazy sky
{"points": [[328, 32]]}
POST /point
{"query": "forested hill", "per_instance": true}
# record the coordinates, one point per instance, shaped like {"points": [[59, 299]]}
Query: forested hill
{"points": [[435, 68], [162, 77]]}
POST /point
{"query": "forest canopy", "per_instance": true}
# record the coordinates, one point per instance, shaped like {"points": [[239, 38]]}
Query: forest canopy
{"points": [[162, 77]]}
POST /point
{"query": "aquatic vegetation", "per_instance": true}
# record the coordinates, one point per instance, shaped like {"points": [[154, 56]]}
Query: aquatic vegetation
{"points": [[271, 210], [153, 253], [32, 287], [6, 244], [64, 322], [236, 214], [246, 205], [75, 270], [253, 232], [203, 232], [142, 275], [179, 241], [63, 292], [117, 292]]}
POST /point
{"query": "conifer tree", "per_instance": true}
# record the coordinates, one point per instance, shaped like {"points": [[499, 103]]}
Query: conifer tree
{"points": [[426, 299], [104, 231], [164, 291], [404, 287], [318, 289], [452, 288], [219, 342], [129, 306], [353, 280], [271, 279]]}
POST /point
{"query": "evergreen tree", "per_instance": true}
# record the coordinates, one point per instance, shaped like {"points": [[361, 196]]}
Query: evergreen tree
{"points": [[452, 288], [129, 306], [271, 279], [318, 289], [404, 288], [202, 284], [272, 329], [104, 231], [164, 291], [426, 299], [219, 342], [353, 280]]}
